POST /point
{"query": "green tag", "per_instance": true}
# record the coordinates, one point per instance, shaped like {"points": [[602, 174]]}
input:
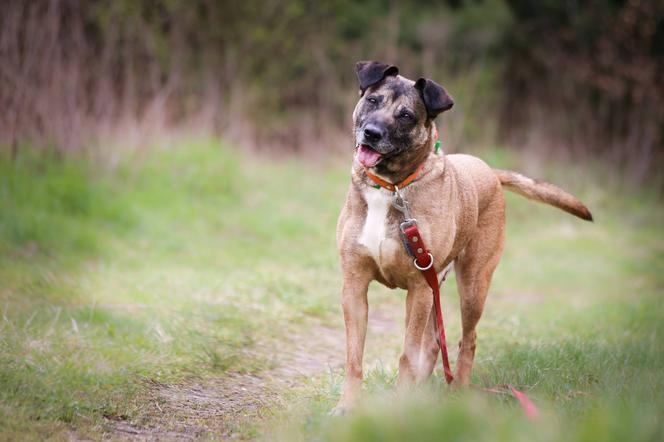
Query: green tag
{"points": [[436, 146], [376, 186]]}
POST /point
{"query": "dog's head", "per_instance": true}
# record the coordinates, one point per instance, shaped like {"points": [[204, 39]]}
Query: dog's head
{"points": [[394, 117]]}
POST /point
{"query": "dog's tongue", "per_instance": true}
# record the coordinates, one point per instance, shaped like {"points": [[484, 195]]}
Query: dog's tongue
{"points": [[367, 156]]}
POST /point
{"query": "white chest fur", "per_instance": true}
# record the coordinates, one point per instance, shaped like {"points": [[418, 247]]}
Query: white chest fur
{"points": [[373, 231]]}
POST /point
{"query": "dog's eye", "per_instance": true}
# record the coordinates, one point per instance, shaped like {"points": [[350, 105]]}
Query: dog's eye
{"points": [[406, 116], [372, 100]]}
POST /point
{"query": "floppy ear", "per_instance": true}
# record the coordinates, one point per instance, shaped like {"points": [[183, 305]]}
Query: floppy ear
{"points": [[371, 72], [435, 98]]}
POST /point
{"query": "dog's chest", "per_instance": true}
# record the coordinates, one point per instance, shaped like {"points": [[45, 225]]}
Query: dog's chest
{"points": [[376, 235]]}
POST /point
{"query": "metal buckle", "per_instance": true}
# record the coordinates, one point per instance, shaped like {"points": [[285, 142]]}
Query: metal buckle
{"points": [[424, 268], [400, 203], [407, 223]]}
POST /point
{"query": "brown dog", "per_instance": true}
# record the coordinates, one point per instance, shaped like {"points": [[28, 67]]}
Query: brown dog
{"points": [[457, 201]]}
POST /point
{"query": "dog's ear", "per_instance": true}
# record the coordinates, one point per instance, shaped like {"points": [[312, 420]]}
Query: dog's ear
{"points": [[371, 72], [436, 99]]}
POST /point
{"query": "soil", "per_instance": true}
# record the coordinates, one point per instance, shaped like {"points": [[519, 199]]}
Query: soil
{"points": [[220, 407]]}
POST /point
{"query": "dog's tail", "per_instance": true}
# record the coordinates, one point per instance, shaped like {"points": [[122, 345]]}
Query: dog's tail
{"points": [[543, 192]]}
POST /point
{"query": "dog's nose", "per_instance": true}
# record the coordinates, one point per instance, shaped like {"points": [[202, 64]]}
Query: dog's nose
{"points": [[372, 133]]}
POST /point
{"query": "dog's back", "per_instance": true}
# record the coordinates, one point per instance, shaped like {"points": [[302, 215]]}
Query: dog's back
{"points": [[484, 180]]}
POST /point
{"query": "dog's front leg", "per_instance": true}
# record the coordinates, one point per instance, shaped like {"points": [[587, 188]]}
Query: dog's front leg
{"points": [[355, 307], [420, 347]]}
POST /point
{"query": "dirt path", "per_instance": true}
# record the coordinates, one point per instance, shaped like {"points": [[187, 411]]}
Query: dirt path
{"points": [[222, 407]]}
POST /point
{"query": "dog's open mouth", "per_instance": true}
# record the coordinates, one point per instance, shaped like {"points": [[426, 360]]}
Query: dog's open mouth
{"points": [[367, 156]]}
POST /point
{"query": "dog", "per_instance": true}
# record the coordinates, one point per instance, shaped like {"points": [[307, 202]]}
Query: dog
{"points": [[459, 206]]}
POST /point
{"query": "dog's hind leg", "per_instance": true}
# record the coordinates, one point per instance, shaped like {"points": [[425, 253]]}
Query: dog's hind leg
{"points": [[355, 308], [474, 268]]}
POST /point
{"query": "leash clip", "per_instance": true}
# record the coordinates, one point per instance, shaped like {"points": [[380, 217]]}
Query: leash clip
{"points": [[401, 204]]}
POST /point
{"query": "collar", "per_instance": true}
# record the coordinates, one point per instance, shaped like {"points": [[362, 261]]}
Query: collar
{"points": [[392, 187]]}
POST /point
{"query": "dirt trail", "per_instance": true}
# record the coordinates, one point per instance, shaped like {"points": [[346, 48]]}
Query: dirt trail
{"points": [[220, 407]]}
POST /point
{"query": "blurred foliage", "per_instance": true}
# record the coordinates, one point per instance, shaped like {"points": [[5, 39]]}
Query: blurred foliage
{"points": [[572, 76], [262, 72], [589, 75]]}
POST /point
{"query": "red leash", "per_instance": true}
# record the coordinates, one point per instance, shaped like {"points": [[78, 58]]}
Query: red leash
{"points": [[529, 409], [423, 261]]}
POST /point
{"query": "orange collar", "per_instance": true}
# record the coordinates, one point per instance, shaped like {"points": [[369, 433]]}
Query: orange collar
{"points": [[392, 187]]}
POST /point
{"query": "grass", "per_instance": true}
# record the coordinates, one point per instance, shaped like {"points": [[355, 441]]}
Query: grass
{"points": [[194, 262]]}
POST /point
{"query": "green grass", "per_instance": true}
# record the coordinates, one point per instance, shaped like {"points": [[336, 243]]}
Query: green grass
{"points": [[195, 262]]}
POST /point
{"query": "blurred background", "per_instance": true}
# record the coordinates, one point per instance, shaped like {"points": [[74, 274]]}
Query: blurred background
{"points": [[171, 173], [582, 79]]}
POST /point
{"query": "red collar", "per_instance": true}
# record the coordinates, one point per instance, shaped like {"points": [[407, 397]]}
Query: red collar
{"points": [[392, 187]]}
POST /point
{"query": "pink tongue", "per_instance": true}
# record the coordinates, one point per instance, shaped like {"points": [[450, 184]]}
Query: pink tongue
{"points": [[367, 156]]}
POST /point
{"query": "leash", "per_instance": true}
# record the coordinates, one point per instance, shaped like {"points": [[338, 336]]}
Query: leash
{"points": [[423, 261], [529, 408]]}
